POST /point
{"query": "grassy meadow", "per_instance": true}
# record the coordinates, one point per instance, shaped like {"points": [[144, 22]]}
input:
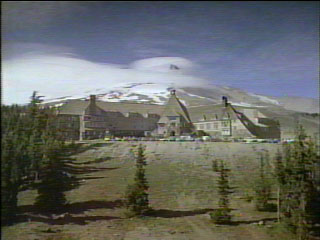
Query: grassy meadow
{"points": [[182, 192]]}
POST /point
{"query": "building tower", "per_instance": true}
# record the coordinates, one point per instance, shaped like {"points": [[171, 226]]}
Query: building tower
{"points": [[174, 120]]}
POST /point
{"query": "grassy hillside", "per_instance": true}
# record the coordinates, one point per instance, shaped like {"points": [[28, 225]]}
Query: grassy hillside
{"points": [[182, 192]]}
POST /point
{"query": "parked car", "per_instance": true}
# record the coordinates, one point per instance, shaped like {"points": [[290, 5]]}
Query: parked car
{"points": [[172, 139], [250, 140], [206, 138], [288, 141]]}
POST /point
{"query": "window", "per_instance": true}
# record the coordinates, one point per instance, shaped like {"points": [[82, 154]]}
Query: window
{"points": [[172, 124], [208, 125], [225, 132], [172, 118], [225, 124], [201, 126], [216, 125]]}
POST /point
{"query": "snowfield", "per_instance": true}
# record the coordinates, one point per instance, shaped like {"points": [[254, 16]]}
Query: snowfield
{"points": [[265, 99]]}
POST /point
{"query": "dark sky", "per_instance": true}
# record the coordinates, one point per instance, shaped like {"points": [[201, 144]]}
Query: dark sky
{"points": [[268, 48]]}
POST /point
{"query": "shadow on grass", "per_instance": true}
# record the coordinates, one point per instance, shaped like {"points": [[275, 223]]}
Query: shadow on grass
{"points": [[236, 223], [91, 178], [269, 207], [67, 219], [83, 147], [98, 160], [77, 207], [84, 170], [80, 207], [165, 213], [31, 213]]}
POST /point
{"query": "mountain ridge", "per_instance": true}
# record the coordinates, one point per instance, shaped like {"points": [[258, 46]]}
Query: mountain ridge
{"points": [[192, 96]]}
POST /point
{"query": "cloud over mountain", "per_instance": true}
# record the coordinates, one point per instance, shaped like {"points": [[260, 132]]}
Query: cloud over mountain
{"points": [[55, 72]]}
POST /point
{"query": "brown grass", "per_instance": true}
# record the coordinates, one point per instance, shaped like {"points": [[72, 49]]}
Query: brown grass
{"points": [[182, 192]]}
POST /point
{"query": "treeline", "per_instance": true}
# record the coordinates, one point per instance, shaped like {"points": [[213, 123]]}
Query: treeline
{"points": [[294, 174], [31, 152], [297, 171]]}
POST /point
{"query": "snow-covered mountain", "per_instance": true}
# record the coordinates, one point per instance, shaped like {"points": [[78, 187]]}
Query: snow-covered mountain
{"points": [[191, 96]]}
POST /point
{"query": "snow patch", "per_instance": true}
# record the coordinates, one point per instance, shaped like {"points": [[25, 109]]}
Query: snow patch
{"points": [[264, 99], [197, 96], [242, 104]]}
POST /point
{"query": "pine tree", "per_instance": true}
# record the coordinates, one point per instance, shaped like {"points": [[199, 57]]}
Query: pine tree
{"points": [[51, 197], [10, 179], [14, 161], [280, 176], [136, 195], [262, 187], [38, 118], [222, 214], [298, 185], [23, 148]]}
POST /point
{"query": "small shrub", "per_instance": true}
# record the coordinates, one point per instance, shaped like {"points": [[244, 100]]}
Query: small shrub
{"points": [[136, 201], [220, 216], [215, 165], [136, 195], [248, 198]]}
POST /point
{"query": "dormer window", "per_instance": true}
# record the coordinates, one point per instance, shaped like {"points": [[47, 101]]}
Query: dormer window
{"points": [[172, 118]]}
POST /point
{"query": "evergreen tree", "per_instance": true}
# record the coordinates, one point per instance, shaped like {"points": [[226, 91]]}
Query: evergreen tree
{"points": [[39, 118], [298, 185], [222, 214], [280, 176], [136, 195], [262, 186], [215, 165], [51, 198], [24, 146], [14, 158], [10, 179]]}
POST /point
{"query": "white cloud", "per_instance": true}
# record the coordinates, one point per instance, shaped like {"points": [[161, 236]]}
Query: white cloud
{"points": [[163, 64], [55, 74]]}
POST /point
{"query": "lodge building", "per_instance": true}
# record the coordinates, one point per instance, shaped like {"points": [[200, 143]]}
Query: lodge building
{"points": [[80, 120]]}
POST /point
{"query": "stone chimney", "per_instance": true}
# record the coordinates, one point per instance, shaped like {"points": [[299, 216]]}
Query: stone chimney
{"points": [[93, 99], [173, 92], [225, 101]]}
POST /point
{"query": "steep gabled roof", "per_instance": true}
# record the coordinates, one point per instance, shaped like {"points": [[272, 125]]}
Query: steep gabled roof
{"points": [[175, 108], [212, 112], [74, 107], [77, 107]]}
